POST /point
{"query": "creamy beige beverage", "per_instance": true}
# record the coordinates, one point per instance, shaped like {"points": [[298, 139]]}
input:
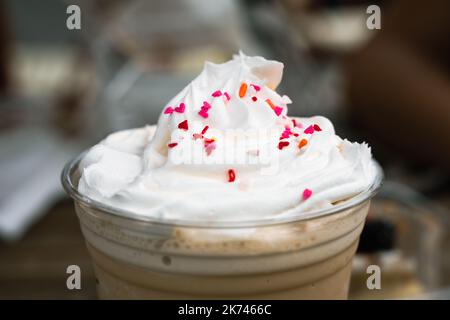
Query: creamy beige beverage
{"points": [[227, 197], [293, 260]]}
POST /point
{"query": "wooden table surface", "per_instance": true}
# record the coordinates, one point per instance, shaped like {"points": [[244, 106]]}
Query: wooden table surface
{"points": [[35, 267]]}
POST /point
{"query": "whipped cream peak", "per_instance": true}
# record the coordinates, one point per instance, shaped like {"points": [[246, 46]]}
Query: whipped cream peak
{"points": [[225, 149]]}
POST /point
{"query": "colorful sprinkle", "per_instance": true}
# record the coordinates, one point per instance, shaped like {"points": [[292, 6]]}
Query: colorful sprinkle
{"points": [[302, 143], [204, 110], [243, 90], [256, 87], [227, 96], [197, 136], [254, 99], [205, 129], [181, 108], [203, 113], [183, 125], [286, 133], [270, 103], [173, 144], [206, 105], [278, 110], [309, 130], [210, 147], [317, 128], [217, 93], [169, 110], [283, 144], [306, 194], [231, 175]]}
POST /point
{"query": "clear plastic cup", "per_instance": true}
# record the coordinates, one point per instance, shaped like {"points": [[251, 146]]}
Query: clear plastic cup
{"points": [[305, 256]]}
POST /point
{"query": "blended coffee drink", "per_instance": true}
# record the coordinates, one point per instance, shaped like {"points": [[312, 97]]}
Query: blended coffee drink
{"points": [[227, 197]]}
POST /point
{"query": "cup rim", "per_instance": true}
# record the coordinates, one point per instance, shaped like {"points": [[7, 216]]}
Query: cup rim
{"points": [[72, 190]]}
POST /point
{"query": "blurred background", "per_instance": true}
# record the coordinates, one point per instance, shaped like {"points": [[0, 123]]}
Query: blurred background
{"points": [[63, 90]]}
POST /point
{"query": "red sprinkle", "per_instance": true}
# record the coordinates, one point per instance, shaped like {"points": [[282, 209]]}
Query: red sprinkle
{"points": [[181, 108], [169, 110], [243, 90], [173, 144], [283, 144], [254, 99], [227, 96], [317, 128], [294, 123], [309, 130], [205, 129], [217, 93], [256, 87], [183, 125], [306, 194], [231, 175]]}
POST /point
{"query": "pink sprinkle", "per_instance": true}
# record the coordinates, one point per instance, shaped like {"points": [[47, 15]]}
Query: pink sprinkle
{"points": [[203, 113], [210, 147], [227, 96], [309, 130], [204, 110], [217, 93], [286, 133], [197, 136], [278, 110], [256, 87], [306, 194], [181, 108], [206, 105], [169, 110]]}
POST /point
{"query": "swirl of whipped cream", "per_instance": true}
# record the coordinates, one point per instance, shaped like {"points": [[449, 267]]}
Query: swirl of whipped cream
{"points": [[187, 168]]}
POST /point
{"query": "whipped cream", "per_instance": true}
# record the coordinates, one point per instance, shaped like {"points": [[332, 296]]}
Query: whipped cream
{"points": [[187, 167]]}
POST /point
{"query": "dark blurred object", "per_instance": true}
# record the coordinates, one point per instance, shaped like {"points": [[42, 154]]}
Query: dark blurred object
{"points": [[399, 85], [377, 235], [4, 51], [407, 236]]}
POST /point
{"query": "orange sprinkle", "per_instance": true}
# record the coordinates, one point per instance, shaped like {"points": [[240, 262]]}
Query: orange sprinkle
{"points": [[243, 90], [302, 143], [270, 103]]}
